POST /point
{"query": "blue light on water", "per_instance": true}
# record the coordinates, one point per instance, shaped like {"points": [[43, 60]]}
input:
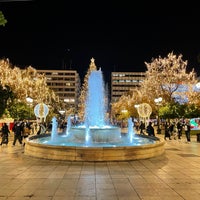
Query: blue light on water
{"points": [[94, 132], [63, 141]]}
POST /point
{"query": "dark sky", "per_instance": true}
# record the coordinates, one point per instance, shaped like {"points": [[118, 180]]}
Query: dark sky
{"points": [[120, 35]]}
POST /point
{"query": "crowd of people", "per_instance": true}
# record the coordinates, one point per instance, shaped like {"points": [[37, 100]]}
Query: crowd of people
{"points": [[23, 128], [176, 128], [172, 129]]}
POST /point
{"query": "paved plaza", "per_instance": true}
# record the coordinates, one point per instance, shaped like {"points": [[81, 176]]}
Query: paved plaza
{"points": [[175, 176]]}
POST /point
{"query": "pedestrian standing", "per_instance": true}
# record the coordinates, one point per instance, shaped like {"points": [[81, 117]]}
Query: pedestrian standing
{"points": [[142, 127], [167, 131], [150, 129], [179, 128], [187, 131]]}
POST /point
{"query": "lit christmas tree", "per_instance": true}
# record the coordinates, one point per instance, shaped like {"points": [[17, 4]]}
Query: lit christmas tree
{"points": [[3, 21], [84, 89]]}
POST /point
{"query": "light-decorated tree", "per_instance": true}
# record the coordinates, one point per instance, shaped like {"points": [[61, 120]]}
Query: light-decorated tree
{"points": [[123, 108], [3, 20], [166, 77], [84, 90], [25, 83]]}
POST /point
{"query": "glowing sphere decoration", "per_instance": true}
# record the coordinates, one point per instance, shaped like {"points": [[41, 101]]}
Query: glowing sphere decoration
{"points": [[41, 110], [144, 110]]}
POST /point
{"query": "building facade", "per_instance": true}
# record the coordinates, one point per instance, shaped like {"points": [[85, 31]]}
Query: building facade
{"points": [[65, 84], [123, 82]]}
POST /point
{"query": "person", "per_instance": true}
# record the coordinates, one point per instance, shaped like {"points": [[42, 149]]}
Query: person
{"points": [[42, 129], [18, 131], [173, 130], [179, 128], [167, 131], [187, 131], [136, 125], [26, 130], [150, 129], [5, 133], [142, 127]]}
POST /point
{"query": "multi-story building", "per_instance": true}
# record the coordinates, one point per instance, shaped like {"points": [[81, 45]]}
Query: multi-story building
{"points": [[123, 82], [65, 84]]}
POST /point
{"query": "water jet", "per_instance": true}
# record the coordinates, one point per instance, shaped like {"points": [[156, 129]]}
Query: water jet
{"points": [[95, 139]]}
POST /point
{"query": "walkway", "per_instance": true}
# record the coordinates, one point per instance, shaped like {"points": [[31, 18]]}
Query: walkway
{"points": [[172, 176]]}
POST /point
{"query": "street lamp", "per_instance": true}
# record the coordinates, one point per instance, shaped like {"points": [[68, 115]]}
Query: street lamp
{"points": [[29, 101], [198, 85], [62, 112], [136, 106], [158, 102]]}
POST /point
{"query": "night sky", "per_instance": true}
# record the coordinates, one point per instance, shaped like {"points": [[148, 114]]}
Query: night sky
{"points": [[119, 35]]}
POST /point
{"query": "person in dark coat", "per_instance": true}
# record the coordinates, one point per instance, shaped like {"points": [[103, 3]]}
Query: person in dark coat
{"points": [[179, 128], [167, 131], [142, 127], [5, 132], [187, 130], [18, 131], [150, 129]]}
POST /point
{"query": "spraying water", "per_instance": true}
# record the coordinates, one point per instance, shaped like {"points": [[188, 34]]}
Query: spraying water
{"points": [[54, 132], [68, 125], [95, 104], [96, 130], [130, 129]]}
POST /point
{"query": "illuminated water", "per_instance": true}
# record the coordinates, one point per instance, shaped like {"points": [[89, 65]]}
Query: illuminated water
{"points": [[62, 140], [95, 128], [95, 131]]}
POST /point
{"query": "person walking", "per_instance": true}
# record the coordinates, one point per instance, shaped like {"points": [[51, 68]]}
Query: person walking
{"points": [[18, 131], [5, 132], [26, 130]]}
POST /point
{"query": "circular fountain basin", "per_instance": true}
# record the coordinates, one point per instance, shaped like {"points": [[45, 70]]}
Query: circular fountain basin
{"points": [[139, 147]]}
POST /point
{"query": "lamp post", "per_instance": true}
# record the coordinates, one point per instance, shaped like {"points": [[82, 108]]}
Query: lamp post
{"points": [[61, 112], [158, 102], [29, 101]]}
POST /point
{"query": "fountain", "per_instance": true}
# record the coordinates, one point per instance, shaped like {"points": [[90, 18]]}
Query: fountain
{"points": [[95, 128], [54, 129], [95, 139]]}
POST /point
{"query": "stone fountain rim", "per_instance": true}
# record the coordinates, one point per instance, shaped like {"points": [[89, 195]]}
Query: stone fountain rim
{"points": [[79, 153]]}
